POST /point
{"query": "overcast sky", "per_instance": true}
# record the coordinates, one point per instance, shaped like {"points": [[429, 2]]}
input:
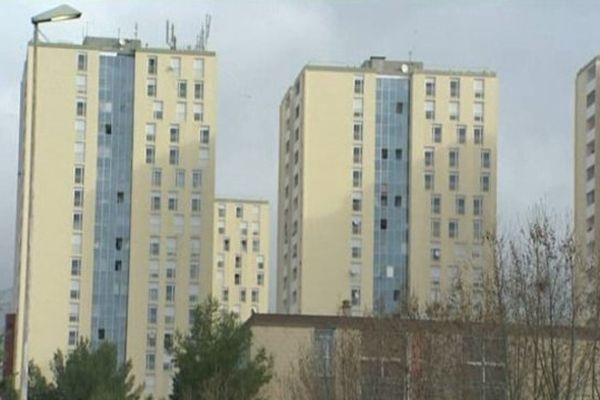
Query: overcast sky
{"points": [[536, 48]]}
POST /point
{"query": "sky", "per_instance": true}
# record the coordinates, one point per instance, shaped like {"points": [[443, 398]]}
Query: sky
{"points": [[535, 47]]}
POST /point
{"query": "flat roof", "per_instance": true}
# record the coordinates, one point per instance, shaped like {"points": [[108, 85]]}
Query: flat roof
{"points": [[240, 200]]}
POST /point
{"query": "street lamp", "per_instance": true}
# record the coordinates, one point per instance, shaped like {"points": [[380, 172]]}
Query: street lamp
{"points": [[60, 13]]}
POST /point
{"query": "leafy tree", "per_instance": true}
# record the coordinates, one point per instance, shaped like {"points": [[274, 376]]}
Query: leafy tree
{"points": [[85, 374], [214, 361]]}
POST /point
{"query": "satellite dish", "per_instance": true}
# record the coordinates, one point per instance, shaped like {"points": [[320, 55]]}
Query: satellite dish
{"points": [[404, 68]]}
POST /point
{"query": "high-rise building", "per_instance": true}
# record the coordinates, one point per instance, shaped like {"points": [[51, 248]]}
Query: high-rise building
{"points": [[586, 135], [240, 256], [122, 186], [387, 183]]}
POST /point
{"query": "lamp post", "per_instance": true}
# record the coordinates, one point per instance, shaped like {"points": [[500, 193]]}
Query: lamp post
{"points": [[60, 13]]}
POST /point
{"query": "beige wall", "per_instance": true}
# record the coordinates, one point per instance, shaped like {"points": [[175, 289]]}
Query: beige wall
{"points": [[464, 252], [253, 262]]}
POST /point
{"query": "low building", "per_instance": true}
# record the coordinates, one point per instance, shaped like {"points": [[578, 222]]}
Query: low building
{"points": [[339, 357]]}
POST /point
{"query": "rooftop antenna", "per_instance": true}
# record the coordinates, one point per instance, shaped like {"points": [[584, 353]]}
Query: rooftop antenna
{"points": [[135, 30], [170, 36], [202, 38], [410, 56]]}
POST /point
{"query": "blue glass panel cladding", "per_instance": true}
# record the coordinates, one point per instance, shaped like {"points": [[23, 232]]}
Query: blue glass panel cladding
{"points": [[391, 194], [113, 201]]}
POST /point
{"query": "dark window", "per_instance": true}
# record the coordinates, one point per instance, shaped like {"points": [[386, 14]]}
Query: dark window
{"points": [[384, 154], [108, 129], [119, 243], [100, 334], [120, 197], [398, 201], [118, 265], [396, 295], [383, 224], [398, 154], [399, 107], [384, 200]]}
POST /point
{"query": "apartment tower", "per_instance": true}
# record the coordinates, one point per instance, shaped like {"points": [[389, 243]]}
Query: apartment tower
{"points": [[586, 181], [123, 186], [241, 253], [387, 183]]}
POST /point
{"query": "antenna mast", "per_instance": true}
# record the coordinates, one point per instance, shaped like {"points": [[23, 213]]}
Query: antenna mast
{"points": [[202, 38]]}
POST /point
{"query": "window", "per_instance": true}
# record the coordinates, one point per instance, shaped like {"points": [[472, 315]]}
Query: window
{"points": [[78, 198], [153, 292], [198, 90], [460, 205], [79, 150], [195, 203], [357, 154], [478, 112], [357, 107], [80, 107], [225, 295], [359, 85], [453, 111], [180, 178], [151, 87], [399, 107], [255, 245], [152, 65], [150, 155], [428, 181], [477, 206], [172, 201], [157, 109], [590, 148], [478, 88], [485, 183], [435, 228], [174, 134], [181, 112], [198, 112], [260, 261], [73, 312], [454, 87], [204, 135], [81, 62], [170, 293], [77, 221], [590, 99], [436, 254], [156, 177], [589, 197], [356, 225], [356, 250], [383, 224], [198, 68], [486, 159], [356, 178], [358, 131], [436, 204], [383, 200], [430, 110], [75, 266], [243, 295], [255, 295], [81, 83], [478, 134], [150, 132], [453, 158], [589, 172], [461, 134], [74, 292], [398, 154], [196, 178], [76, 243], [78, 175], [80, 130], [430, 87], [237, 277], [226, 244], [154, 246], [453, 182], [453, 229], [590, 123], [397, 201], [176, 66], [436, 131], [195, 247], [429, 157], [356, 202], [239, 211], [174, 156], [384, 154], [221, 211], [155, 201], [477, 231], [182, 89]]}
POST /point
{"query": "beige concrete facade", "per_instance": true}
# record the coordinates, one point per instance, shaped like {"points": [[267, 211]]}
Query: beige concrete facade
{"points": [[586, 136], [171, 192], [328, 243], [240, 279]]}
